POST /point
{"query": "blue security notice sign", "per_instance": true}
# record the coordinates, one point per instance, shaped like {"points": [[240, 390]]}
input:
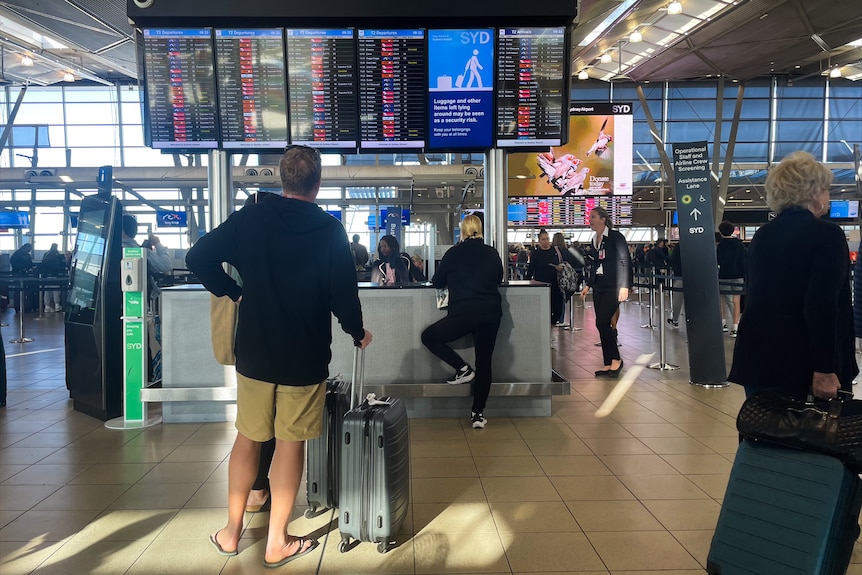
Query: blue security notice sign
{"points": [[461, 88], [170, 219]]}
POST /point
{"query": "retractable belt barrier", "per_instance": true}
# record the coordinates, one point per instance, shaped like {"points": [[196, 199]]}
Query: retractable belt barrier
{"points": [[22, 284]]}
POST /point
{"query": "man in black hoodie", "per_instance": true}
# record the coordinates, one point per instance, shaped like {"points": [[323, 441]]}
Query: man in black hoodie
{"points": [[283, 337]]}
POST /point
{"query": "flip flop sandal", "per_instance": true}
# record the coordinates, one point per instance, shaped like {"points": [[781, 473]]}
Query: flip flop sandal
{"points": [[221, 550], [296, 555]]}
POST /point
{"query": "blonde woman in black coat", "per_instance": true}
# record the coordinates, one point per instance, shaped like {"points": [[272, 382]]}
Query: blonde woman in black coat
{"points": [[796, 332]]}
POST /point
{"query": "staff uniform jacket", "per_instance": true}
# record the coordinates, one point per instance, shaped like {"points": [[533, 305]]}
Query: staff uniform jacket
{"points": [[284, 329], [798, 317], [616, 265], [472, 271]]}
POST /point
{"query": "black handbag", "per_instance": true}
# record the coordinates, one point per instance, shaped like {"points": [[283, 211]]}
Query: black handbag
{"points": [[832, 426]]}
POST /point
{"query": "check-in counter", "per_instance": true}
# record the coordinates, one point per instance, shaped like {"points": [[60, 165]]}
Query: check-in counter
{"points": [[196, 388]]}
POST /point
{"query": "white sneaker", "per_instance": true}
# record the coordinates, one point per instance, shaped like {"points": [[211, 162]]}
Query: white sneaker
{"points": [[724, 329], [561, 324], [478, 420], [733, 333], [48, 309], [463, 375], [58, 308]]}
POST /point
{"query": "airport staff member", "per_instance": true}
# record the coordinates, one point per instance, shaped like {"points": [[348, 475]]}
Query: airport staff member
{"points": [[283, 337]]}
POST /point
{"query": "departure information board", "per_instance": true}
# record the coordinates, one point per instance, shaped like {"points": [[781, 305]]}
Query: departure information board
{"points": [[531, 86], [392, 89], [566, 212], [252, 103], [323, 109], [181, 91]]}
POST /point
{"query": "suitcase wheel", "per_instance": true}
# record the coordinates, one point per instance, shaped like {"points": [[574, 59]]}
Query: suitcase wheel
{"points": [[312, 512], [344, 546], [383, 547]]}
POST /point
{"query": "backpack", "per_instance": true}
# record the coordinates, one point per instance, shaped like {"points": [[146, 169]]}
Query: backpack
{"points": [[567, 278]]}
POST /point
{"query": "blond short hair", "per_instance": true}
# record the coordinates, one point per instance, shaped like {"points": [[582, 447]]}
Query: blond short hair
{"points": [[471, 227], [796, 181]]}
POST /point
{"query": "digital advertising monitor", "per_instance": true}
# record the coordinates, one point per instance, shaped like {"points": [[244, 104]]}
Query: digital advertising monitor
{"points": [[532, 87], [323, 105], [18, 220], [392, 89], [251, 88], [597, 160], [180, 89], [461, 89], [843, 209]]}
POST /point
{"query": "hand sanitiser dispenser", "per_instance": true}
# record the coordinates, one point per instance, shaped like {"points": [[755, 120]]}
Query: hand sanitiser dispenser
{"points": [[132, 279]]}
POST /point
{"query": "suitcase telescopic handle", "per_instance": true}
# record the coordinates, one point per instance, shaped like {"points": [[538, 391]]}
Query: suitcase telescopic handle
{"points": [[358, 376]]}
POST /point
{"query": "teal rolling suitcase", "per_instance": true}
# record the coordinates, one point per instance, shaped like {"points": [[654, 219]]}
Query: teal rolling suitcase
{"points": [[786, 512]]}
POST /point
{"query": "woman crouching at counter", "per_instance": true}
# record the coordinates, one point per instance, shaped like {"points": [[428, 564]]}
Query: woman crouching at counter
{"points": [[610, 277], [472, 272]]}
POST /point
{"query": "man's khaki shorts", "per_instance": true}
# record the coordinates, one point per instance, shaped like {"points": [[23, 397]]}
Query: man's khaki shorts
{"points": [[265, 410]]}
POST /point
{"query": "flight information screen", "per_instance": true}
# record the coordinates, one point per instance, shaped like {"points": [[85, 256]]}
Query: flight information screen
{"points": [[536, 211], [252, 104], [531, 86], [323, 108], [181, 91], [392, 89]]}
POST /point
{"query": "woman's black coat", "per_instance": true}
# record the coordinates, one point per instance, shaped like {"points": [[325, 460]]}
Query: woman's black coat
{"points": [[798, 317]]}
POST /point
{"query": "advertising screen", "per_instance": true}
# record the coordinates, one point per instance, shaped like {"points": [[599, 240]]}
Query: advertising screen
{"points": [[251, 90], [843, 209], [597, 161], [14, 219], [461, 89], [323, 104], [391, 89], [180, 88], [531, 86]]}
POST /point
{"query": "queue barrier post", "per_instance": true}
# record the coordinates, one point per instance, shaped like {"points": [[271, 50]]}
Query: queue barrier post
{"points": [[21, 338], [651, 282], [662, 364]]}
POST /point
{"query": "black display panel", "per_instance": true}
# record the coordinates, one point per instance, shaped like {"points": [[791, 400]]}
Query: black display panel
{"points": [[392, 89], [536, 211], [180, 88], [323, 105], [251, 88], [531, 87]]}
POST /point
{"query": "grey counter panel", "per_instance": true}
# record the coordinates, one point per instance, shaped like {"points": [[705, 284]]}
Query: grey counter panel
{"points": [[396, 317]]}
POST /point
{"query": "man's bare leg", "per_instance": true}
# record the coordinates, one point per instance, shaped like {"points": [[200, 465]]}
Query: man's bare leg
{"points": [[284, 478], [242, 470]]}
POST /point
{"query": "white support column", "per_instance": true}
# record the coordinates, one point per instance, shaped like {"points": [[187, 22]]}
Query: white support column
{"points": [[220, 187], [495, 199]]}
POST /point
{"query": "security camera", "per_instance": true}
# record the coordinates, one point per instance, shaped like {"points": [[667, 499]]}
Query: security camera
{"points": [[143, 3]]}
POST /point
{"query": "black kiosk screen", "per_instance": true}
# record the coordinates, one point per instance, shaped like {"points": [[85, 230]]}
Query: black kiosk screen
{"points": [[180, 84], [531, 86], [250, 65], [392, 89], [323, 109], [88, 259]]}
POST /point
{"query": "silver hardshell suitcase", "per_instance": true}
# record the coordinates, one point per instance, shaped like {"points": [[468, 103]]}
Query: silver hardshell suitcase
{"points": [[375, 469], [324, 452]]}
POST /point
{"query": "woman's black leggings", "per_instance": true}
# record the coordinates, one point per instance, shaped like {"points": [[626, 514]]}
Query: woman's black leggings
{"points": [[484, 330], [267, 449], [606, 302]]}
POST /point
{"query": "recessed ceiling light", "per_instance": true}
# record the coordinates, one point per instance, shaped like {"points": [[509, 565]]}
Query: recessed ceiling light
{"points": [[606, 58], [674, 7], [68, 77], [636, 37], [583, 75], [26, 61], [835, 72]]}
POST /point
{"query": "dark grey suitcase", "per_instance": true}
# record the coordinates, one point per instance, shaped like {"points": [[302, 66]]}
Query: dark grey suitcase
{"points": [[324, 452], [786, 512], [375, 471]]}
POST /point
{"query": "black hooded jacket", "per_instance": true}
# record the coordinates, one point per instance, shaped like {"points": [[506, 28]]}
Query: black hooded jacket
{"points": [[284, 329]]}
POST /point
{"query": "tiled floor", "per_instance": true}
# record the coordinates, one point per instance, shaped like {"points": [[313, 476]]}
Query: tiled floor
{"points": [[635, 493]]}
